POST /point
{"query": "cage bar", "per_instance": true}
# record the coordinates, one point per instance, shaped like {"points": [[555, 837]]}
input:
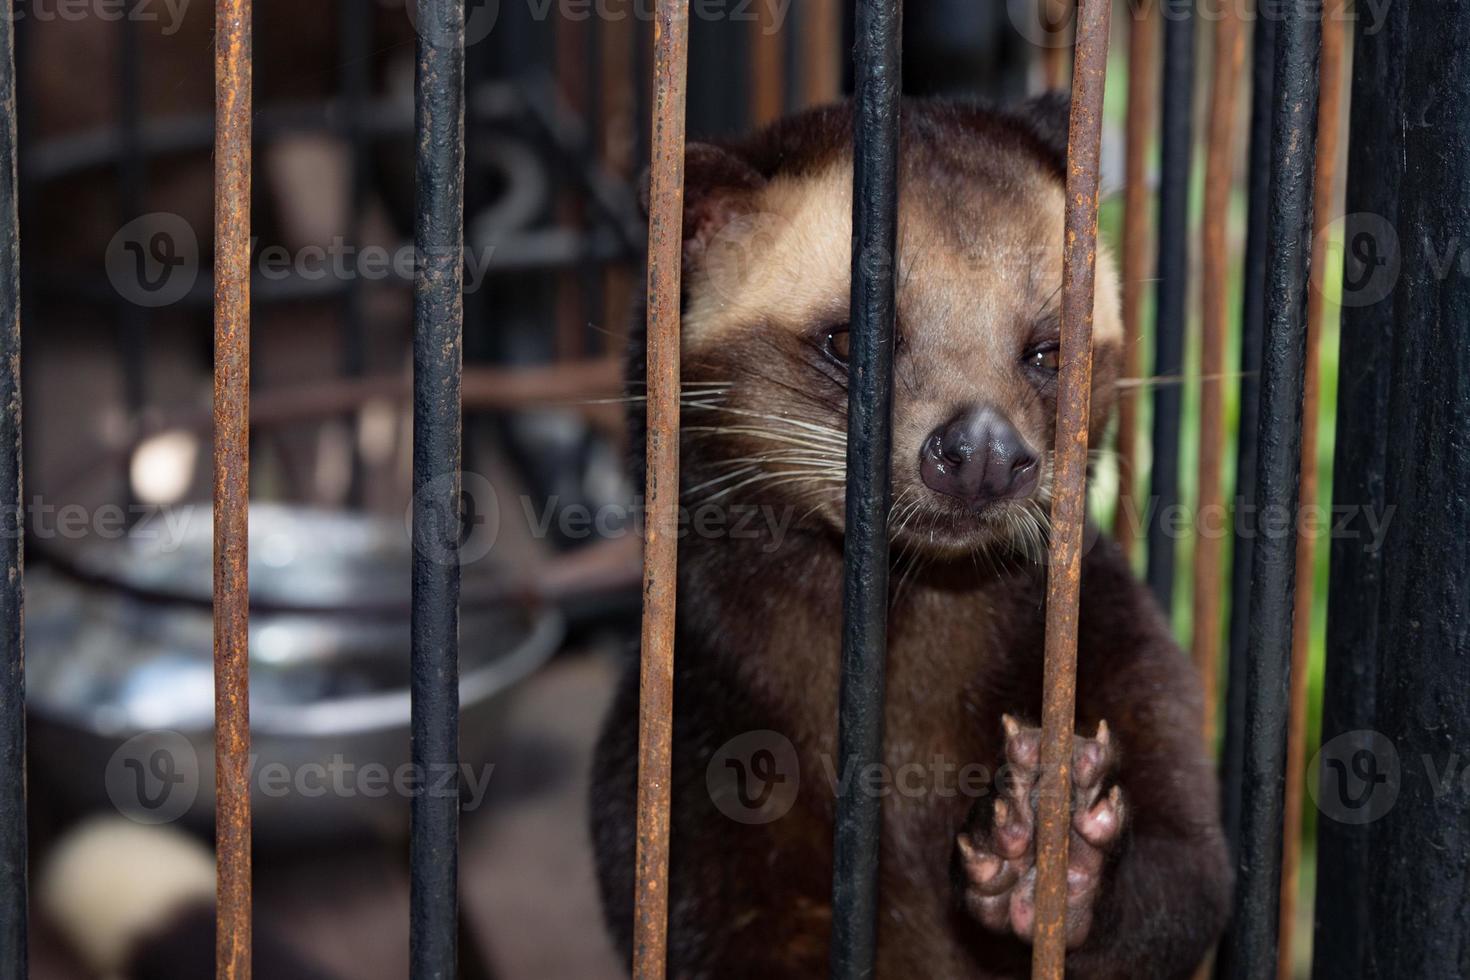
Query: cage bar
{"points": [[660, 534], [13, 959], [767, 66], [232, 486], [1177, 134], [877, 67], [821, 51], [1143, 63], [438, 340], [1345, 875], [1252, 331], [1069, 494], [1214, 310], [1249, 951], [1054, 15], [1324, 210], [1419, 862]]}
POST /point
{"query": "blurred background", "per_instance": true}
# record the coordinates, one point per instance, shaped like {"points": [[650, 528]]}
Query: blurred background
{"points": [[116, 129]]}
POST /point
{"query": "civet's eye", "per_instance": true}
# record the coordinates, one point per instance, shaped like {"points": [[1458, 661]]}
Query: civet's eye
{"points": [[839, 343], [1045, 358]]}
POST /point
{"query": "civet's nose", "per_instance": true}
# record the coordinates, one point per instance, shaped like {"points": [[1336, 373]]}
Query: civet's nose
{"points": [[978, 457]]}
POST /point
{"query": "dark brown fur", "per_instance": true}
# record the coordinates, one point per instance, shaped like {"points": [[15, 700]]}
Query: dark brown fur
{"points": [[758, 639]]}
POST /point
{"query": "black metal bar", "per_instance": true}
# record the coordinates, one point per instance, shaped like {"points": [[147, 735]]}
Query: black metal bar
{"points": [[1420, 848], [438, 339], [12, 590], [877, 68], [1176, 135], [1249, 951], [1252, 330], [1345, 875]]}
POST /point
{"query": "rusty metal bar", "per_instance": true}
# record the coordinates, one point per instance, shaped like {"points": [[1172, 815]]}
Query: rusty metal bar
{"points": [[1249, 951], [1176, 145], [877, 68], [232, 79], [821, 51], [618, 133], [1214, 302], [1069, 498], [1324, 211], [1054, 15], [13, 959], [1143, 64], [767, 67], [660, 536], [438, 344]]}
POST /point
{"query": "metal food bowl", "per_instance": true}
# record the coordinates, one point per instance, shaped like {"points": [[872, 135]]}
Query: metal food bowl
{"points": [[120, 681]]}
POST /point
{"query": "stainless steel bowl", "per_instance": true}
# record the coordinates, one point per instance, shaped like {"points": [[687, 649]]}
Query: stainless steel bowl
{"points": [[120, 683]]}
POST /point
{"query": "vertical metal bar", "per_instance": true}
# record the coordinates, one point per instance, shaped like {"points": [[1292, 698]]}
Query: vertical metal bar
{"points": [[1214, 303], [232, 485], [660, 536], [821, 46], [1345, 873], [13, 959], [438, 344], [1143, 64], [1250, 949], [1420, 848], [618, 135], [1069, 499], [767, 66], [1324, 210], [877, 63], [1173, 291], [1054, 55], [1252, 332]]}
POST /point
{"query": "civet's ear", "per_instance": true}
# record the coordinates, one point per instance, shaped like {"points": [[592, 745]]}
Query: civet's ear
{"points": [[1048, 116], [717, 188]]}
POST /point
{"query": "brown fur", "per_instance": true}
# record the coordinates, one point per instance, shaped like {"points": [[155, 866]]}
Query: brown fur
{"points": [[758, 624]]}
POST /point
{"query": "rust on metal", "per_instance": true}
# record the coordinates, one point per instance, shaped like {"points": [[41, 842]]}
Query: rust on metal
{"points": [[618, 136], [1210, 521], [1143, 64], [767, 66], [660, 537], [1069, 500], [821, 51], [1054, 15], [232, 486], [1324, 210]]}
